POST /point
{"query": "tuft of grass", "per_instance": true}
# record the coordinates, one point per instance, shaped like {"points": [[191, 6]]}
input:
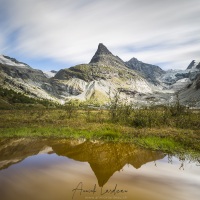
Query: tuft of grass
{"points": [[164, 144]]}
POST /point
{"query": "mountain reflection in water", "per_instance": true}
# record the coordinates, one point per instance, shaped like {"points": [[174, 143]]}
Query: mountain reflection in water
{"points": [[104, 158], [50, 169]]}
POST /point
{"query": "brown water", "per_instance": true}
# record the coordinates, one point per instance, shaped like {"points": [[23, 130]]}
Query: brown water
{"points": [[66, 169]]}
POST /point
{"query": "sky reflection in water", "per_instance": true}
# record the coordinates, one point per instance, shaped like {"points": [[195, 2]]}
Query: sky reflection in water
{"points": [[51, 169]]}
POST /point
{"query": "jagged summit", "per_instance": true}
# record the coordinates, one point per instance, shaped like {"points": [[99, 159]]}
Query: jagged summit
{"points": [[133, 61], [102, 50], [104, 57], [194, 65], [191, 65]]}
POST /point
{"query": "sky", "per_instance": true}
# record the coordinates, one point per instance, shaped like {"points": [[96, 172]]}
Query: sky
{"points": [[56, 34]]}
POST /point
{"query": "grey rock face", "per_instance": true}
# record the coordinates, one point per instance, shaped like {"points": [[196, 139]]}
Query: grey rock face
{"points": [[24, 73], [191, 65], [198, 82], [104, 57], [194, 65], [150, 72], [191, 94], [22, 78], [102, 50], [198, 66]]}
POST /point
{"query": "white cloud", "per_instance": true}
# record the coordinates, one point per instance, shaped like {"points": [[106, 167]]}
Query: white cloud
{"points": [[69, 31]]}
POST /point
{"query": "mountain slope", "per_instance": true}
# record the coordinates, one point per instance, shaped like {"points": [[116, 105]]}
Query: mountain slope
{"points": [[150, 72], [20, 77], [191, 94]]}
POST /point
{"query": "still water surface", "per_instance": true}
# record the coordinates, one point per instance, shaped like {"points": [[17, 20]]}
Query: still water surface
{"points": [[42, 169]]}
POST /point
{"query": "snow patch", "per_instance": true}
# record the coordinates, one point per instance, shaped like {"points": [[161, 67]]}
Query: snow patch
{"points": [[7, 61], [49, 74]]}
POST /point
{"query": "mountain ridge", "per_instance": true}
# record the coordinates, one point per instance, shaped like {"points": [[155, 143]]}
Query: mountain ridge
{"points": [[99, 80], [150, 72]]}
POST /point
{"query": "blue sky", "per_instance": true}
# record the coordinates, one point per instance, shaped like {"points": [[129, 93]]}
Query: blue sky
{"points": [[49, 34]]}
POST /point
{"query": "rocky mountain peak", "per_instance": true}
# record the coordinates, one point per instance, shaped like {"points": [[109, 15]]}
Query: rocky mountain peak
{"points": [[102, 50], [104, 57], [148, 71], [194, 65], [133, 61], [190, 66]]}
